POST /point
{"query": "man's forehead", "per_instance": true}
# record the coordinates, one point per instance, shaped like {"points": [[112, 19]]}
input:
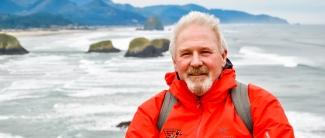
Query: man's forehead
{"points": [[194, 29], [197, 41], [196, 32], [197, 47]]}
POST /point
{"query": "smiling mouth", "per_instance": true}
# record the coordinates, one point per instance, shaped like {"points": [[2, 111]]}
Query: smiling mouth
{"points": [[203, 74]]}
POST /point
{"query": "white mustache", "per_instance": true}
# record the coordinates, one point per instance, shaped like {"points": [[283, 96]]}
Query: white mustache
{"points": [[198, 71]]}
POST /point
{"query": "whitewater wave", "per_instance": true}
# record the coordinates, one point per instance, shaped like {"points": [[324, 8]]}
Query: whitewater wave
{"points": [[249, 56], [6, 135], [92, 92], [307, 125], [100, 123], [78, 41], [91, 67], [77, 109], [15, 95], [35, 64], [122, 43]]}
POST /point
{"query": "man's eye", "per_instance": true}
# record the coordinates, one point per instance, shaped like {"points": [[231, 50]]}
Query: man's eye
{"points": [[206, 52], [185, 54]]}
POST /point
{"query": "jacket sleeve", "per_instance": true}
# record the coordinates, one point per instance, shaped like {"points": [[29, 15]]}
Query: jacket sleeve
{"points": [[269, 117], [144, 122]]}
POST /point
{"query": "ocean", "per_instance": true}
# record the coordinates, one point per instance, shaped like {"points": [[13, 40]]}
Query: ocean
{"points": [[60, 91]]}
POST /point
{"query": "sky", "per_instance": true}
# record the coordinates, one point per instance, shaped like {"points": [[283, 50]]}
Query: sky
{"points": [[294, 11]]}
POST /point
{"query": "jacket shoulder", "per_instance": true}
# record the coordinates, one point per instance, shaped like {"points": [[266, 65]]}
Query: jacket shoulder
{"points": [[144, 122], [261, 100], [258, 94], [268, 115]]}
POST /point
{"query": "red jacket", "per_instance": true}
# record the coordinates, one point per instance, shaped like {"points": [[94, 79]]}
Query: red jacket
{"points": [[211, 116]]}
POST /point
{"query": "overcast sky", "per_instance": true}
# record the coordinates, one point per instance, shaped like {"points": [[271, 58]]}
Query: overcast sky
{"points": [[294, 11]]}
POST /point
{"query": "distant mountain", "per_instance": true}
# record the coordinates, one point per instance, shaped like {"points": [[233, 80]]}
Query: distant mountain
{"points": [[232, 16], [106, 12], [8, 6], [81, 2], [98, 12], [39, 20], [25, 4], [53, 7], [169, 14]]}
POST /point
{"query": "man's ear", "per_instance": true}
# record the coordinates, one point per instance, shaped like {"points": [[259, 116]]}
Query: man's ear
{"points": [[175, 68], [224, 56], [174, 62]]}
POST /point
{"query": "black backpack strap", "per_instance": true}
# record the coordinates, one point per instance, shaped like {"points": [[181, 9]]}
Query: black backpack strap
{"points": [[167, 105], [241, 102]]}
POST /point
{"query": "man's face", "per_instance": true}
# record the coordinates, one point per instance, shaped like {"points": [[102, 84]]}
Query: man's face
{"points": [[197, 59]]}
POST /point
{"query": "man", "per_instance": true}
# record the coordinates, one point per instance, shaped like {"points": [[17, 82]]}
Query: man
{"points": [[201, 83]]}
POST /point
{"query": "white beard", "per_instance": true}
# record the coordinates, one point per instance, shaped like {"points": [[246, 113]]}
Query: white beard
{"points": [[199, 88]]}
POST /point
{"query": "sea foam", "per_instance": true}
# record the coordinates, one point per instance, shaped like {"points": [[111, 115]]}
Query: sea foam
{"points": [[307, 125], [6, 135], [257, 56]]}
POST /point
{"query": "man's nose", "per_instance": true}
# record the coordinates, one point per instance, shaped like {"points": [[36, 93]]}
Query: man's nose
{"points": [[196, 60]]}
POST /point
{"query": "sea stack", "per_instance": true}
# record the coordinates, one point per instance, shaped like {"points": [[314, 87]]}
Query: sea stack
{"points": [[141, 47], [162, 44], [153, 23], [103, 47], [9, 45]]}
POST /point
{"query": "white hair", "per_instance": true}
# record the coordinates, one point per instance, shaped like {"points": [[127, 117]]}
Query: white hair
{"points": [[199, 18]]}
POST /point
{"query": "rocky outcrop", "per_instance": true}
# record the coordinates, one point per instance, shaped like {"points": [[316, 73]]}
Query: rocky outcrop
{"points": [[9, 45], [143, 47], [161, 44], [123, 124], [153, 23], [103, 47], [140, 47]]}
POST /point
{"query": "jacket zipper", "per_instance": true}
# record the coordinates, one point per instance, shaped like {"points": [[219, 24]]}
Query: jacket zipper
{"points": [[199, 126]]}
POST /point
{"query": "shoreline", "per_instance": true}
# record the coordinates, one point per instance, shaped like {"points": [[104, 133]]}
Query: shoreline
{"points": [[39, 32], [60, 30], [54, 31]]}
